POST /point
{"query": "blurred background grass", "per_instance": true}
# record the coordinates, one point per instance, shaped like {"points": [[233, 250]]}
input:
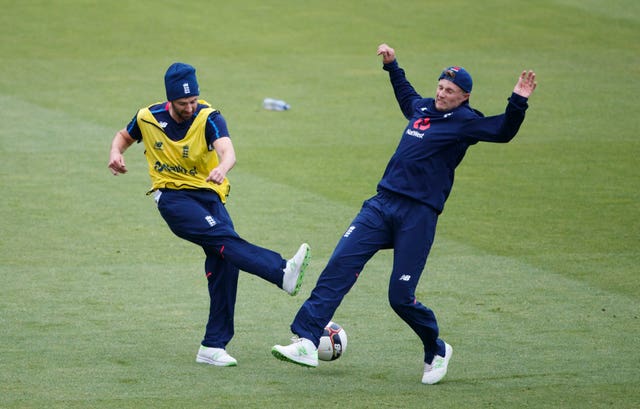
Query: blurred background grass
{"points": [[536, 253]]}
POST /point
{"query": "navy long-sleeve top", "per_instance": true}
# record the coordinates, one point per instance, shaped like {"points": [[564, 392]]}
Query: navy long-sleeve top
{"points": [[434, 143]]}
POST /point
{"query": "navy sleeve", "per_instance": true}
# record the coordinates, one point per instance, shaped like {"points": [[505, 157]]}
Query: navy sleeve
{"points": [[133, 129], [216, 127], [406, 95], [499, 128]]}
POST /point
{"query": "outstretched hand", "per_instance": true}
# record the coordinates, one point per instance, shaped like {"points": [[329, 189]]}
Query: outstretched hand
{"points": [[388, 54], [526, 84]]}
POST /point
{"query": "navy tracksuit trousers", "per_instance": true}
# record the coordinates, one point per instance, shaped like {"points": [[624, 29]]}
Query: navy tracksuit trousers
{"points": [[385, 221], [200, 217]]}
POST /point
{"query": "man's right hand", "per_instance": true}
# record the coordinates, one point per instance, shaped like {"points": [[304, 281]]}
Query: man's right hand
{"points": [[116, 163], [120, 143], [388, 54]]}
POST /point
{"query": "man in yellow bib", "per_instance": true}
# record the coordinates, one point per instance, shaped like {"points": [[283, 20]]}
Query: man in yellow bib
{"points": [[189, 152]]}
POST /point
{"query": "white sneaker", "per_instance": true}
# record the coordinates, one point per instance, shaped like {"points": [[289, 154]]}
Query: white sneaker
{"points": [[437, 369], [215, 356], [294, 271], [301, 352]]}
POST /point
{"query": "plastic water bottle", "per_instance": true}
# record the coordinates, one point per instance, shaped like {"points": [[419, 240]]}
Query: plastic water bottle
{"points": [[275, 105]]}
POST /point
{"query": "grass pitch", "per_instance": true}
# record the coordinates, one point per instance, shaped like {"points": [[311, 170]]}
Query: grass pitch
{"points": [[533, 274]]}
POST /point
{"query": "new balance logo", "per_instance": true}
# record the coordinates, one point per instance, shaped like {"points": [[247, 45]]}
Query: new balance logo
{"points": [[405, 277]]}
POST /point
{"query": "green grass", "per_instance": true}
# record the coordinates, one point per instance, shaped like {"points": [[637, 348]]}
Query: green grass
{"points": [[533, 274]]}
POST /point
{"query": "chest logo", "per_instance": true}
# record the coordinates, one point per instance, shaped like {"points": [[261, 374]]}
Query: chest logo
{"points": [[422, 124]]}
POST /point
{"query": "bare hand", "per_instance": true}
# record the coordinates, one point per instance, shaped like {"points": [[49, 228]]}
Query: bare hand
{"points": [[116, 163], [216, 176], [121, 141], [526, 84], [388, 54]]}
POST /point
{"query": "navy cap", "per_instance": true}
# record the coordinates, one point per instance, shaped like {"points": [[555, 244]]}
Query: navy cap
{"points": [[458, 76], [180, 81]]}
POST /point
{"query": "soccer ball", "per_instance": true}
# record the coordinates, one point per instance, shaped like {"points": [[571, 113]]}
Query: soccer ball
{"points": [[333, 342]]}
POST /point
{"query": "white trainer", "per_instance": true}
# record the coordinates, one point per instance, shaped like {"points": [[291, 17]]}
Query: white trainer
{"points": [[215, 356], [294, 271], [437, 369], [301, 351]]}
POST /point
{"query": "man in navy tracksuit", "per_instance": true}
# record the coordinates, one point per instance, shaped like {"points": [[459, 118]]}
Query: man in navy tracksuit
{"points": [[403, 214]]}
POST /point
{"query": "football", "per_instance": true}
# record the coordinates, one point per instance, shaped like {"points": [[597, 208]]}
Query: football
{"points": [[333, 342]]}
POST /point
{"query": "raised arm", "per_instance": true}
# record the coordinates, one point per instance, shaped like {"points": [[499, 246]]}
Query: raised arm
{"points": [[405, 94]]}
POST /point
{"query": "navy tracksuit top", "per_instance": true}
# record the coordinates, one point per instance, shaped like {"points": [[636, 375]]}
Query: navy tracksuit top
{"points": [[433, 143]]}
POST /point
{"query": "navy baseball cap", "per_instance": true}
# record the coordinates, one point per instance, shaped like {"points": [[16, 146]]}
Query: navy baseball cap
{"points": [[458, 76]]}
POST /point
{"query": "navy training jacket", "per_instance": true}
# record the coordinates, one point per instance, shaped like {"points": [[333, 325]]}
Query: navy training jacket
{"points": [[434, 143]]}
